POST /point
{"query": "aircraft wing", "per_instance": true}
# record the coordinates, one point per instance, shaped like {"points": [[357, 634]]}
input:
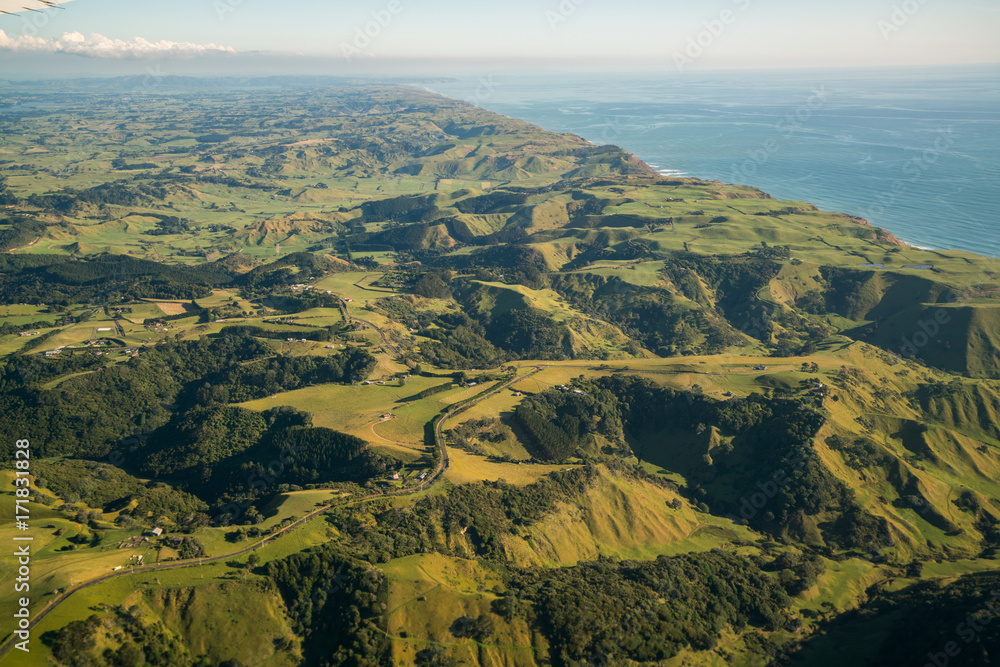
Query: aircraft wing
{"points": [[12, 6]]}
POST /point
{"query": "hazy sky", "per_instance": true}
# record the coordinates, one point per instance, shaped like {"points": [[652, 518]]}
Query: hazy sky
{"points": [[100, 35]]}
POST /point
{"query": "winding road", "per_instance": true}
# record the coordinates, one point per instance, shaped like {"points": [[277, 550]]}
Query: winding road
{"points": [[348, 318], [441, 468]]}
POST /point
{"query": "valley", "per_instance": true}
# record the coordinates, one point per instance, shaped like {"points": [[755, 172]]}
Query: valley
{"points": [[402, 381]]}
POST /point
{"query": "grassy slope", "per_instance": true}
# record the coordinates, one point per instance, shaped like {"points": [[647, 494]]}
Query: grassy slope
{"points": [[619, 517], [429, 592]]}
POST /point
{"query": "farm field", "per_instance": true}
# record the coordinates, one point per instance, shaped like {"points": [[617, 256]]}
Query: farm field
{"points": [[667, 399]]}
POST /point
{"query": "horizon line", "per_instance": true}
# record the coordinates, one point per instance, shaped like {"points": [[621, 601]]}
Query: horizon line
{"points": [[441, 71]]}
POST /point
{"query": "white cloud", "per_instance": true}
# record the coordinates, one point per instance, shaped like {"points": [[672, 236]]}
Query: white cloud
{"points": [[99, 46]]}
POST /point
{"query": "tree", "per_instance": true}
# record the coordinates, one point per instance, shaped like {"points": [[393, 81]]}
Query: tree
{"points": [[431, 286], [434, 657], [128, 656]]}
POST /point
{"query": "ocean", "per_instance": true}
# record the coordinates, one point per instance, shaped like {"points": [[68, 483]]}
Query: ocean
{"points": [[916, 152]]}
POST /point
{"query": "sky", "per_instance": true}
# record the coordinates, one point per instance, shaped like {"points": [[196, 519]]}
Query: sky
{"points": [[447, 36]]}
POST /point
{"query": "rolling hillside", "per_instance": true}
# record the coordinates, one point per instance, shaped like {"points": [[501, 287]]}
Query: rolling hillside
{"points": [[402, 381]]}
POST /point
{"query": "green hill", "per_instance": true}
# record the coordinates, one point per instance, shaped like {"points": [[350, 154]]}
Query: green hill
{"points": [[405, 381]]}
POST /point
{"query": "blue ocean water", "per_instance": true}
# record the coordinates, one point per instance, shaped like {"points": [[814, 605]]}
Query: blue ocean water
{"points": [[914, 151]]}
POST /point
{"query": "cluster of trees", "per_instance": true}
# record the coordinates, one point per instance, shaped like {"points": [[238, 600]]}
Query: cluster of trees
{"points": [[231, 454], [490, 203], [322, 455], [89, 415], [611, 612], [190, 547], [319, 334], [845, 293], [432, 286], [530, 333], [765, 459], [735, 283], [213, 138], [7, 198], [288, 270], [458, 341], [430, 391], [503, 257], [217, 451], [53, 279], [631, 250], [473, 337], [169, 224], [197, 439], [111, 489], [788, 210], [121, 164], [618, 220], [559, 423], [405, 237], [19, 230], [118, 267], [773, 251], [37, 341], [926, 623], [460, 230], [476, 517], [275, 375], [478, 629], [860, 453], [652, 316], [986, 519], [303, 302], [120, 193], [406, 209], [757, 463], [585, 205], [119, 638], [33, 370], [469, 435], [337, 605]]}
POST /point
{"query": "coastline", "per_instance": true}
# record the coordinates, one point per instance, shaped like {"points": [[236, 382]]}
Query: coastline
{"points": [[928, 202], [886, 235]]}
